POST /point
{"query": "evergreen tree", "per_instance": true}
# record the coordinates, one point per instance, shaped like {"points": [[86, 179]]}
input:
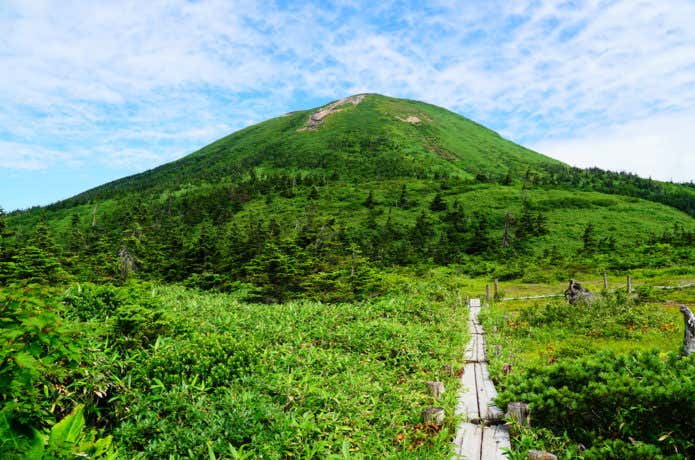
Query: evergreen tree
{"points": [[456, 218], [437, 204], [481, 240], [278, 271], [369, 202], [403, 198], [8, 251], [509, 222], [540, 224], [589, 239], [422, 233]]}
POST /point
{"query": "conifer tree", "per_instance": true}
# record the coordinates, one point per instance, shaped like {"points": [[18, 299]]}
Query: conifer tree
{"points": [[589, 239], [437, 204], [422, 233], [403, 198], [8, 253], [369, 202]]}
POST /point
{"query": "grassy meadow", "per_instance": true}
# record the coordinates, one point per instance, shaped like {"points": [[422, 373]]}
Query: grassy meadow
{"points": [[169, 372]]}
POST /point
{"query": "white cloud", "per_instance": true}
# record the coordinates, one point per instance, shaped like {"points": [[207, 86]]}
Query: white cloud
{"points": [[159, 78], [659, 147], [14, 155]]}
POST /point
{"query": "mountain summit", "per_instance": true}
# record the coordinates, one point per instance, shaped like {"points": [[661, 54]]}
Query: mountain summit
{"points": [[361, 136]]}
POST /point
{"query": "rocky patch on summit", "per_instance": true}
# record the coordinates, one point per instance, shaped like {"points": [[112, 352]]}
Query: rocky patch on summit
{"points": [[316, 118]]}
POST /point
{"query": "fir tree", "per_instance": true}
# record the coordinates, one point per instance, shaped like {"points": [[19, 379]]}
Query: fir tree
{"points": [[589, 239], [403, 198], [369, 202], [422, 233], [437, 204]]}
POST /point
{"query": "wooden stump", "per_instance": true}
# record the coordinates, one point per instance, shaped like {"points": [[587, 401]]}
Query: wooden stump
{"points": [[436, 389], [540, 455], [506, 368], [520, 412], [629, 284], [689, 332], [448, 370], [434, 415], [605, 282]]}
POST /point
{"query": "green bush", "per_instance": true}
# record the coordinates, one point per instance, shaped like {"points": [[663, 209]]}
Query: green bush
{"points": [[610, 316], [640, 396], [37, 351], [214, 359], [138, 325]]}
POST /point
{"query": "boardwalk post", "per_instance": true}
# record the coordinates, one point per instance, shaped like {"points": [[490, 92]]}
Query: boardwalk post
{"points": [[448, 370], [436, 389], [629, 284], [520, 412], [434, 415], [487, 292], [605, 281], [497, 288]]}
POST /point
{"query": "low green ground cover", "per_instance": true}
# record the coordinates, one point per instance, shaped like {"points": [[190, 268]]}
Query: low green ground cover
{"points": [[174, 373], [604, 380]]}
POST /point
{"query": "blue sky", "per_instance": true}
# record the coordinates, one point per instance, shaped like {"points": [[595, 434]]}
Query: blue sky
{"points": [[93, 91]]}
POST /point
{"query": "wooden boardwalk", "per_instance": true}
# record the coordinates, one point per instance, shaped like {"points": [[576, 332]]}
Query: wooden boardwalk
{"points": [[482, 434]]}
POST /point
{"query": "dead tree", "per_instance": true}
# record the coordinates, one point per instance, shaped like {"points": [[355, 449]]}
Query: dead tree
{"points": [[689, 333], [575, 293], [126, 263]]}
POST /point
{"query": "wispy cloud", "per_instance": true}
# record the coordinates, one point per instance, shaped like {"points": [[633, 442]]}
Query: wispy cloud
{"points": [[660, 146], [158, 79]]}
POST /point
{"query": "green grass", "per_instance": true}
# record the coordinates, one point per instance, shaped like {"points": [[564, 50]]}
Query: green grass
{"points": [[182, 372]]}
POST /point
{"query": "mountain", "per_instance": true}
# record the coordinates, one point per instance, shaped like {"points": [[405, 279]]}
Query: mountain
{"points": [[362, 136], [301, 199]]}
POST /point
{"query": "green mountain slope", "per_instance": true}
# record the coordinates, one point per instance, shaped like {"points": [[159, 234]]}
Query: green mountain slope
{"points": [[377, 137], [295, 204]]}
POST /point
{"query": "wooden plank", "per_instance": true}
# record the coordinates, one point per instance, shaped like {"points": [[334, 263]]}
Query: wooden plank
{"points": [[467, 406], [472, 327], [495, 438], [484, 390], [480, 350], [475, 441], [475, 350], [486, 394], [468, 442]]}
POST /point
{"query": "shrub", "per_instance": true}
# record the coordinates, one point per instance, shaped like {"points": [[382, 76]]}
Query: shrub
{"points": [[642, 396]]}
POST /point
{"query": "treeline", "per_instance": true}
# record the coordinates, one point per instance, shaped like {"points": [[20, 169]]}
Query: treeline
{"points": [[679, 196], [199, 238]]}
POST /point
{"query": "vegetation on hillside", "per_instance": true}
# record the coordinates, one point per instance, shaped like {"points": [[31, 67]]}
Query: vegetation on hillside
{"points": [[171, 373], [285, 293]]}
